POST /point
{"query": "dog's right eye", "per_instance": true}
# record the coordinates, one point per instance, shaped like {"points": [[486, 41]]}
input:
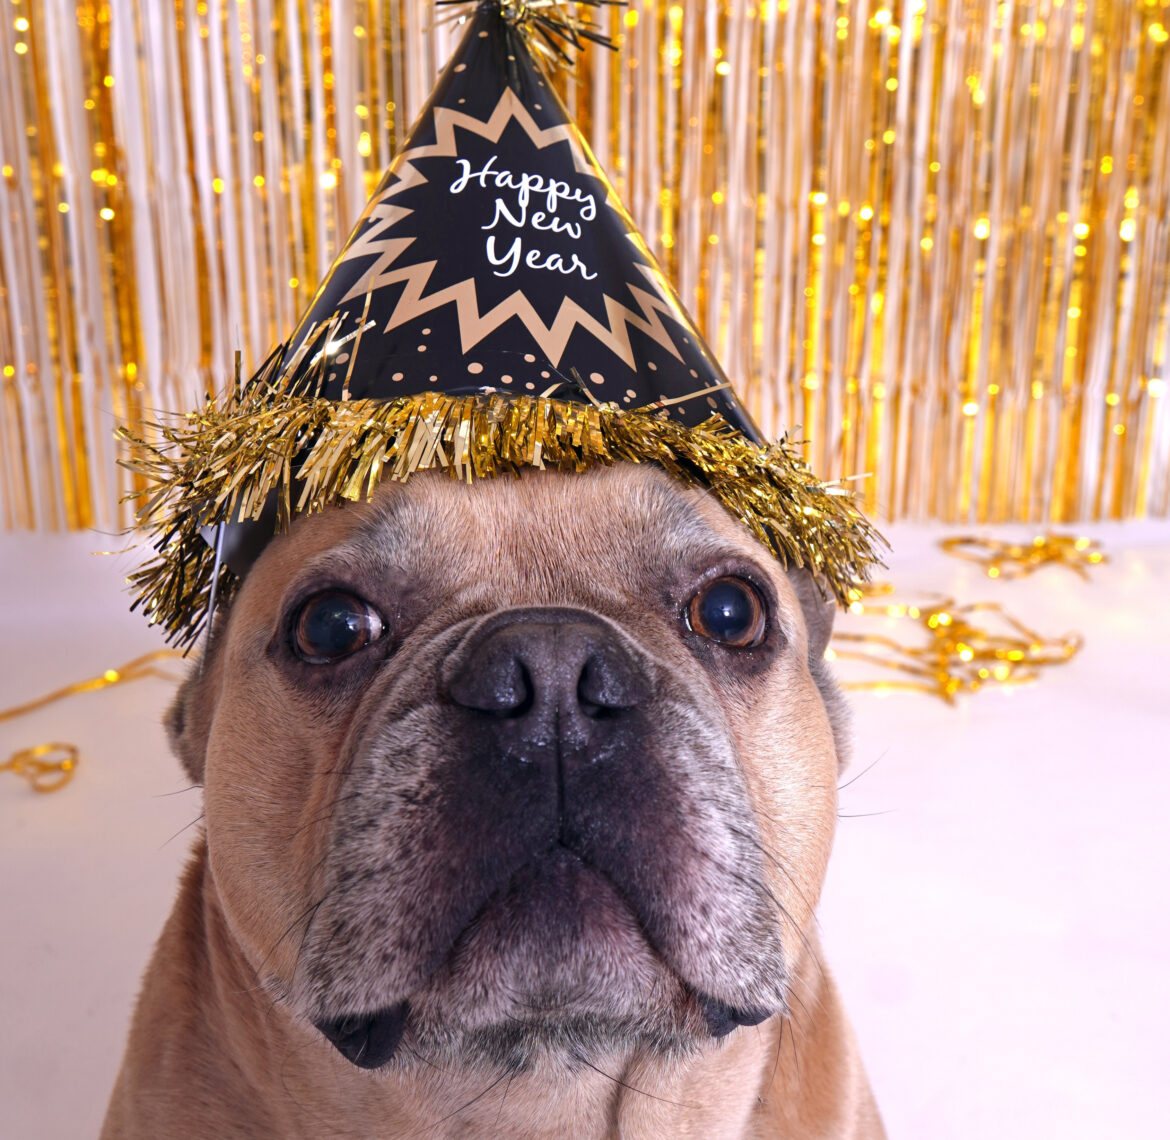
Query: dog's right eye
{"points": [[334, 625]]}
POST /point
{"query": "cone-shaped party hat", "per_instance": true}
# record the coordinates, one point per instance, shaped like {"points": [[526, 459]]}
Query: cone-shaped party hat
{"points": [[495, 253], [495, 307]]}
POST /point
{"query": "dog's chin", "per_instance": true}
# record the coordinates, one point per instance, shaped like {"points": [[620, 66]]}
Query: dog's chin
{"points": [[555, 969]]}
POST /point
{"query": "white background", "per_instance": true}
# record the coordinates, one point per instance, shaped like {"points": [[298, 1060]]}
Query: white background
{"points": [[996, 910]]}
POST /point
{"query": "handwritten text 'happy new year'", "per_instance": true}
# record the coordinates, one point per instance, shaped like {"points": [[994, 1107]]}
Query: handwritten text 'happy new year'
{"points": [[536, 202]]}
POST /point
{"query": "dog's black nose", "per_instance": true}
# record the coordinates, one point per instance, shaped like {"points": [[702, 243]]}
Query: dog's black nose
{"points": [[545, 674]]}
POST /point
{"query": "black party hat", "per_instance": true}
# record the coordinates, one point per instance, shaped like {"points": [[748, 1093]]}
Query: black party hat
{"points": [[494, 308], [495, 253]]}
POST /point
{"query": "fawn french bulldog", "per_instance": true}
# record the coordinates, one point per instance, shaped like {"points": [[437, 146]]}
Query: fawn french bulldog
{"points": [[518, 800]]}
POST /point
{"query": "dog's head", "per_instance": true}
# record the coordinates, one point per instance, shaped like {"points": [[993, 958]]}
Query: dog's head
{"points": [[535, 767]]}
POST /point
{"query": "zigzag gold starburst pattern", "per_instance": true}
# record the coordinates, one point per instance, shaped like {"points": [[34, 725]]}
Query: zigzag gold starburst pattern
{"points": [[378, 239], [229, 459]]}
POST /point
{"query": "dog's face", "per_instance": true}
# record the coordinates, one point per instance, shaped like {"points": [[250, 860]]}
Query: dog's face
{"points": [[533, 768]]}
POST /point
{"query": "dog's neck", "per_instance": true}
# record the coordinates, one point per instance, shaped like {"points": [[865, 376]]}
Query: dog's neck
{"points": [[263, 1072]]}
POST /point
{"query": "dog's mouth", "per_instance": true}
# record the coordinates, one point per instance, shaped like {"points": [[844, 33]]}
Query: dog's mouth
{"points": [[370, 1041], [578, 910]]}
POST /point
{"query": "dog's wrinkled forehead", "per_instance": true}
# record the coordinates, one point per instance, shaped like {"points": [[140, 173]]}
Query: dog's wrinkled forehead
{"points": [[607, 532]]}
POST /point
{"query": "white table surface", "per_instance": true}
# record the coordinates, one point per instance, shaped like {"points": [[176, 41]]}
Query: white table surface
{"points": [[995, 910]]}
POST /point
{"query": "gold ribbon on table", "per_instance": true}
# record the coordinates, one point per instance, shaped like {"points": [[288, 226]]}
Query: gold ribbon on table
{"points": [[50, 766], [966, 646], [1018, 559]]}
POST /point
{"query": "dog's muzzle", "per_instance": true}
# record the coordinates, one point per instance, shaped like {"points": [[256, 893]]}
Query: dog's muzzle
{"points": [[555, 705]]}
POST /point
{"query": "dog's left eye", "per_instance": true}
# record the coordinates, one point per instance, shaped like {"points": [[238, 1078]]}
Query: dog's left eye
{"points": [[730, 612], [334, 625]]}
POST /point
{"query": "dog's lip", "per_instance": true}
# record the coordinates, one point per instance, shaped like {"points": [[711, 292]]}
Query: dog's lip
{"points": [[722, 1018], [561, 852], [367, 1040], [370, 1040]]}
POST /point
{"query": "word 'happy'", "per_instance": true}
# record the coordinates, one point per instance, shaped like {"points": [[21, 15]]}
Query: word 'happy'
{"points": [[536, 203]]}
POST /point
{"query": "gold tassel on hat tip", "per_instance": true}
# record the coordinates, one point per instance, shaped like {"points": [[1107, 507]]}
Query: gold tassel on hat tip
{"points": [[223, 462], [548, 27]]}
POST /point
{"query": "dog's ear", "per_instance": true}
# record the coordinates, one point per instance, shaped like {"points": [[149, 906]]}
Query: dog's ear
{"points": [[188, 719], [819, 609]]}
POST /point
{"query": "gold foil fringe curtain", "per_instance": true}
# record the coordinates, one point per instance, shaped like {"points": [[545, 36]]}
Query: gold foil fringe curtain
{"points": [[930, 235]]}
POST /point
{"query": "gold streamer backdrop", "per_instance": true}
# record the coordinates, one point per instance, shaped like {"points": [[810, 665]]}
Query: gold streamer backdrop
{"points": [[930, 236]]}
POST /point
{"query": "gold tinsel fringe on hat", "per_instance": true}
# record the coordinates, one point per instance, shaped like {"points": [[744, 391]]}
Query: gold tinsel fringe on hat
{"points": [[225, 462]]}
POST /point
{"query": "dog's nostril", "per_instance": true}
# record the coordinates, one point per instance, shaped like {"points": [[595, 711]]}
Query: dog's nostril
{"points": [[501, 687], [592, 711], [607, 686]]}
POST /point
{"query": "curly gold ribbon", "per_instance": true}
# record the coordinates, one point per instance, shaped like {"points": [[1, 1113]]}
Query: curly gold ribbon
{"points": [[49, 767], [44, 775], [1018, 559], [959, 654]]}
